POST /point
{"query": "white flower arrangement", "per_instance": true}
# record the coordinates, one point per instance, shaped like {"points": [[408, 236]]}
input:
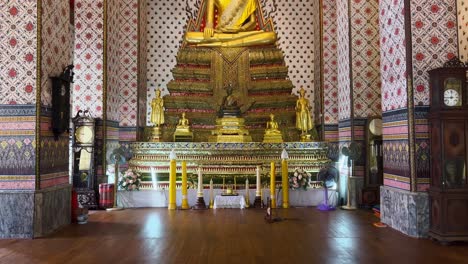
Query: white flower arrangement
{"points": [[130, 181], [299, 179]]}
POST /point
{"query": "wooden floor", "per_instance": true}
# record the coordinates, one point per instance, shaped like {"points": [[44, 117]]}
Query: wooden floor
{"points": [[229, 236]]}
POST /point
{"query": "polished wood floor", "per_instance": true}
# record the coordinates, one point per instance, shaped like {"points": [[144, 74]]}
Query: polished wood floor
{"points": [[229, 236]]}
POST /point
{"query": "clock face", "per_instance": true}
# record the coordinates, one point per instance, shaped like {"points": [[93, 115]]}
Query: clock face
{"points": [[451, 97], [375, 127], [84, 134]]}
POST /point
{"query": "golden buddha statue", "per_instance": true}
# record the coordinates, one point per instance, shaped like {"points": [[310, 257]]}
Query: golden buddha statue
{"points": [[157, 110], [182, 132], [157, 116], [235, 27], [272, 133], [303, 118]]}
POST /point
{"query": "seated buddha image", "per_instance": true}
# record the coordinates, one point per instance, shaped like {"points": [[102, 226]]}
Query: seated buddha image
{"points": [[183, 124], [235, 26], [272, 126]]}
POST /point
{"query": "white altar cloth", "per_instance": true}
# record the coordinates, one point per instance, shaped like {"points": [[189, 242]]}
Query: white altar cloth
{"points": [[237, 201], [159, 198]]}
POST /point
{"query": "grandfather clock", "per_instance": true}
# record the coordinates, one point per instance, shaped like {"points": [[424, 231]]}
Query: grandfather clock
{"points": [[84, 176], [448, 119]]}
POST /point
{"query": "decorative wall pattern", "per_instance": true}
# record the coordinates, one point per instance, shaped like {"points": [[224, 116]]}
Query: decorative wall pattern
{"points": [[128, 59], [344, 84], [165, 29], [113, 59], [87, 90], [55, 40], [393, 55], [330, 62], [434, 31], [17, 147], [56, 54], [54, 153], [18, 27], [366, 58], [293, 21], [462, 6], [318, 89], [142, 63]]}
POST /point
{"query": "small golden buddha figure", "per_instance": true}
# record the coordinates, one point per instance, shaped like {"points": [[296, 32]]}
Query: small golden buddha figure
{"points": [[182, 132], [303, 117], [272, 133], [236, 26]]}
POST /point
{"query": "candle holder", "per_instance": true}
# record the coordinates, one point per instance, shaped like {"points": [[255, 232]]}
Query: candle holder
{"points": [[258, 194], [200, 205]]}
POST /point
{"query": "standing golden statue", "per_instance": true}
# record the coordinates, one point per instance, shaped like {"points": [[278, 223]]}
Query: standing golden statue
{"points": [[235, 27], [303, 118], [272, 133], [157, 109], [157, 116]]}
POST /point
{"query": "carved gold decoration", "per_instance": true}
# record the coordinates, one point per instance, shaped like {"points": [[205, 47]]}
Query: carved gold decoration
{"points": [[230, 129], [226, 159]]}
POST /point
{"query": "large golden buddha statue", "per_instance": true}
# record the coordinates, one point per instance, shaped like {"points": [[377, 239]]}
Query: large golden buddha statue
{"points": [[235, 26], [230, 75]]}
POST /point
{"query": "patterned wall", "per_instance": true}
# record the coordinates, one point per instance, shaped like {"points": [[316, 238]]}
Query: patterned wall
{"points": [[344, 107], [18, 57], [113, 59], [434, 31], [53, 153], [462, 6], [87, 92], [128, 59], [330, 76], [56, 54], [55, 44], [317, 99], [17, 146], [330, 62], [293, 21], [393, 55], [394, 94], [366, 58], [18, 43], [142, 63]]}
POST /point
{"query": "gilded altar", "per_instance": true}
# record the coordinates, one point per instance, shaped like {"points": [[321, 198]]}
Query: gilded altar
{"points": [[225, 159]]}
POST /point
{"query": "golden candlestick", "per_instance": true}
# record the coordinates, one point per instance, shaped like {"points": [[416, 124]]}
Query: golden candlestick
{"points": [[272, 184], [284, 178], [185, 204], [172, 181], [247, 194], [211, 194]]}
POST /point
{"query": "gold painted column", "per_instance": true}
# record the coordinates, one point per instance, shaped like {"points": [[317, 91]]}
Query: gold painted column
{"points": [[272, 184], [185, 204], [284, 178], [172, 181]]}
